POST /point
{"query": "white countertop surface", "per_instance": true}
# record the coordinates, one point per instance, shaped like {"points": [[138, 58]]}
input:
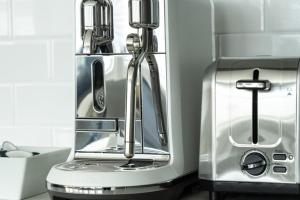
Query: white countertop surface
{"points": [[196, 196]]}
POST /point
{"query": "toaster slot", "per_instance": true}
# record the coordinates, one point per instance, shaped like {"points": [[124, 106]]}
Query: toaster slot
{"points": [[255, 110], [255, 85]]}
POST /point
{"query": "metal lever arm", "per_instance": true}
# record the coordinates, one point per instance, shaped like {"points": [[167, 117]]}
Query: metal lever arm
{"points": [[253, 84], [139, 49], [156, 95], [130, 104], [88, 42]]}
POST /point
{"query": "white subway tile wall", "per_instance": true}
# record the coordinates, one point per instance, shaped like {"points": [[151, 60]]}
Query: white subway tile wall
{"points": [[282, 15], [239, 16], [6, 105], [37, 65], [4, 17], [42, 18], [37, 72], [241, 45], [247, 28]]}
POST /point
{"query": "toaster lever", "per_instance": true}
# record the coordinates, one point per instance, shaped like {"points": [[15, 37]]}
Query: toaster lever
{"points": [[254, 85], [254, 165]]}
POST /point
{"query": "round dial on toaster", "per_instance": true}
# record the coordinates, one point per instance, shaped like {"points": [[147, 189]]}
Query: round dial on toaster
{"points": [[254, 163]]}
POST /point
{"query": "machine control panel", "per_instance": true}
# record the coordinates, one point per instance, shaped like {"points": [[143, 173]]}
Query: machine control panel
{"points": [[279, 156], [280, 169]]}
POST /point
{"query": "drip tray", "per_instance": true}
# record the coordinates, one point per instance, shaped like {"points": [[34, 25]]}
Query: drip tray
{"points": [[135, 164], [110, 166]]}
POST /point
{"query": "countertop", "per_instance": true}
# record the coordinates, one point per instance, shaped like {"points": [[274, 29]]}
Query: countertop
{"points": [[195, 196]]}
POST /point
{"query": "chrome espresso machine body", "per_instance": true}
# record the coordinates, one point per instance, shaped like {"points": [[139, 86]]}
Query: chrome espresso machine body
{"points": [[250, 126], [137, 67]]}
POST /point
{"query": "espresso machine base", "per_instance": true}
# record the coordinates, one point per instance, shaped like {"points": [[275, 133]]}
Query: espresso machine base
{"points": [[171, 190]]}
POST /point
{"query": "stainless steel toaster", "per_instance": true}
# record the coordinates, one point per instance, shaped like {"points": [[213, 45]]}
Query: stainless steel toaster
{"points": [[250, 126]]}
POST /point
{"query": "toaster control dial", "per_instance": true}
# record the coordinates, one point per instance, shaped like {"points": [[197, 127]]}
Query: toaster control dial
{"points": [[254, 163]]}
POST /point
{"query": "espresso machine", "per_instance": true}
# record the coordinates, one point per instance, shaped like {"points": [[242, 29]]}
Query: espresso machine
{"points": [[250, 127], [137, 81]]}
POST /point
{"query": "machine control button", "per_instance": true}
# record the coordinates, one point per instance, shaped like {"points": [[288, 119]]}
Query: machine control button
{"points": [[280, 169], [279, 156], [254, 163]]}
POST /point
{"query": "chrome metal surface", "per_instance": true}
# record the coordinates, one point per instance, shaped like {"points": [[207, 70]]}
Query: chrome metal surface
{"points": [[102, 190], [114, 69], [144, 13], [101, 79], [157, 102], [227, 124], [121, 27], [88, 119], [158, 156], [109, 165], [132, 72], [97, 25], [101, 141], [148, 11], [134, 43], [88, 43], [258, 85], [107, 125]]}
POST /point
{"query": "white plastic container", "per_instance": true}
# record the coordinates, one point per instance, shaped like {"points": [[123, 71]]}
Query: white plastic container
{"points": [[26, 177]]}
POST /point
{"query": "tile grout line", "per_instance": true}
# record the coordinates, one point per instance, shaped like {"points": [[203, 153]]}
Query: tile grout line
{"points": [[53, 136], [263, 16], [14, 95], [50, 57], [218, 40], [10, 19]]}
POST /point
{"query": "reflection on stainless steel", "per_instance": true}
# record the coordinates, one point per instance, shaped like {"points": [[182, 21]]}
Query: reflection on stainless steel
{"points": [[156, 94], [97, 26], [104, 141], [121, 28], [139, 51], [114, 68], [98, 87], [107, 125], [250, 84], [119, 156], [104, 190], [144, 15], [109, 166], [227, 119], [101, 105]]}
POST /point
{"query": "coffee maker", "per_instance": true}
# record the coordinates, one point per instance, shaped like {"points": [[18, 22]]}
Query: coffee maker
{"points": [[137, 67], [250, 127]]}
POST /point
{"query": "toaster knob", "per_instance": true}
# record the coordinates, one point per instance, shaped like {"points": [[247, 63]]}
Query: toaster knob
{"points": [[254, 163]]}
